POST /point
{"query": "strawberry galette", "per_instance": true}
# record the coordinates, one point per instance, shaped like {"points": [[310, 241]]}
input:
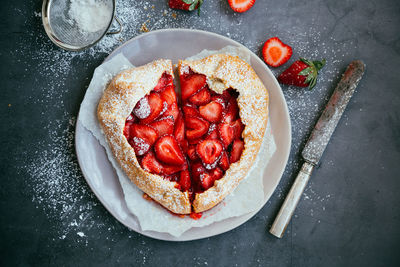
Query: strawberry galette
{"points": [[187, 153]]}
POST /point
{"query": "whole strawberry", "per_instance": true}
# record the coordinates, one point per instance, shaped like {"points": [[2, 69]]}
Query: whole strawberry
{"points": [[302, 73], [188, 5]]}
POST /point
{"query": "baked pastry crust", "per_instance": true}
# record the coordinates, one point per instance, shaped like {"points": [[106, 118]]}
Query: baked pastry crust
{"points": [[117, 102], [223, 72]]}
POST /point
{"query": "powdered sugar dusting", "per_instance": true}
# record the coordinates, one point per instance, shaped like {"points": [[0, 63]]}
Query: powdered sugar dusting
{"points": [[141, 147], [142, 109]]}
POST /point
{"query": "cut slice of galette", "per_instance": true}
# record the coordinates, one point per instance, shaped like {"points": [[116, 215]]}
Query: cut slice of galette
{"points": [[188, 155]]}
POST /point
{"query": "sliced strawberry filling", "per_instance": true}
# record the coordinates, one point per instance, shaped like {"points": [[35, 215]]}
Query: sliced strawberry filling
{"points": [[193, 146]]}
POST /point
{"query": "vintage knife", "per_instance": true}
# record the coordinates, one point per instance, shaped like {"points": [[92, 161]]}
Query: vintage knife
{"points": [[318, 141]]}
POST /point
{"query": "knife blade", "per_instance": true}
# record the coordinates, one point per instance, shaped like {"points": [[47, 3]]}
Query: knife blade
{"points": [[318, 141]]}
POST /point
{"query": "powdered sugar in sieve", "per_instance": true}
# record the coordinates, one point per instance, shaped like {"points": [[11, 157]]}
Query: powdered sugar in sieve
{"points": [[77, 24]]}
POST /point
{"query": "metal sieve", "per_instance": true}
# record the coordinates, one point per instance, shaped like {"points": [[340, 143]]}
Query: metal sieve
{"points": [[64, 31]]}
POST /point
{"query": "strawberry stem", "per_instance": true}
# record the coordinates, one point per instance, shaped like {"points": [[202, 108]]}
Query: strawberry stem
{"points": [[312, 71]]}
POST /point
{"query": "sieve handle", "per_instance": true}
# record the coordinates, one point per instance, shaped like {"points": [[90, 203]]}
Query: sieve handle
{"points": [[118, 30]]}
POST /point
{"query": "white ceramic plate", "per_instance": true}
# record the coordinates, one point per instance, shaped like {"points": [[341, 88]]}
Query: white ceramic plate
{"points": [[177, 44]]}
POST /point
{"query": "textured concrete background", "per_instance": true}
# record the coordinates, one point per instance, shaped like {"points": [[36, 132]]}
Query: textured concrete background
{"points": [[349, 214]]}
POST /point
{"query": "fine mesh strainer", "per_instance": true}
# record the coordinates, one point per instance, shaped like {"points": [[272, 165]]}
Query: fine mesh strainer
{"points": [[66, 31]]}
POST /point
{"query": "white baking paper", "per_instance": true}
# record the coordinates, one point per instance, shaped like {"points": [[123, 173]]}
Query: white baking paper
{"points": [[247, 197]]}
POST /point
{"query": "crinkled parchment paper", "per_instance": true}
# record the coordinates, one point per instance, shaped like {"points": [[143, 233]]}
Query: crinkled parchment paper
{"points": [[247, 197]]}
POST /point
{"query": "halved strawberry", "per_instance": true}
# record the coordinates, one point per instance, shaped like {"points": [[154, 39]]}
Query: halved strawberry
{"points": [[190, 111], [241, 5], [173, 177], [197, 169], [232, 111], [191, 84], [164, 81], [195, 141], [237, 149], [171, 169], [179, 131], [219, 99], [131, 118], [150, 163], [212, 132], [184, 180], [163, 126], [238, 127], [224, 161], [144, 132], [192, 154], [195, 127], [127, 129], [206, 180], [142, 108], [169, 95], [201, 98], [184, 145], [209, 150], [226, 133], [172, 111], [167, 150], [275, 52], [217, 173], [156, 106], [211, 112]]}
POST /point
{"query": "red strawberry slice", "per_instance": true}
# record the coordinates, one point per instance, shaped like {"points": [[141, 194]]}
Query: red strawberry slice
{"points": [[237, 149], [185, 181], [212, 111], [197, 169], [191, 84], [201, 98], [143, 137], [127, 129], [241, 5], [142, 108], [131, 118], [190, 111], [226, 133], [195, 127], [163, 82], [195, 141], [275, 52], [169, 95], [212, 132], [171, 169], [238, 127], [209, 150], [163, 126], [172, 111], [179, 131], [302, 73], [184, 145], [219, 99], [217, 173], [206, 180], [232, 111], [224, 161], [156, 106], [168, 151], [192, 154], [173, 177], [150, 163]]}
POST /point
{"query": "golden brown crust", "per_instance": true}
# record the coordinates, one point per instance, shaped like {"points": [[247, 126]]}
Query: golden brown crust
{"points": [[117, 102], [225, 71]]}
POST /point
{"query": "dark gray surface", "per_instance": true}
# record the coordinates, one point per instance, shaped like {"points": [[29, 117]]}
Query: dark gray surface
{"points": [[349, 214]]}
